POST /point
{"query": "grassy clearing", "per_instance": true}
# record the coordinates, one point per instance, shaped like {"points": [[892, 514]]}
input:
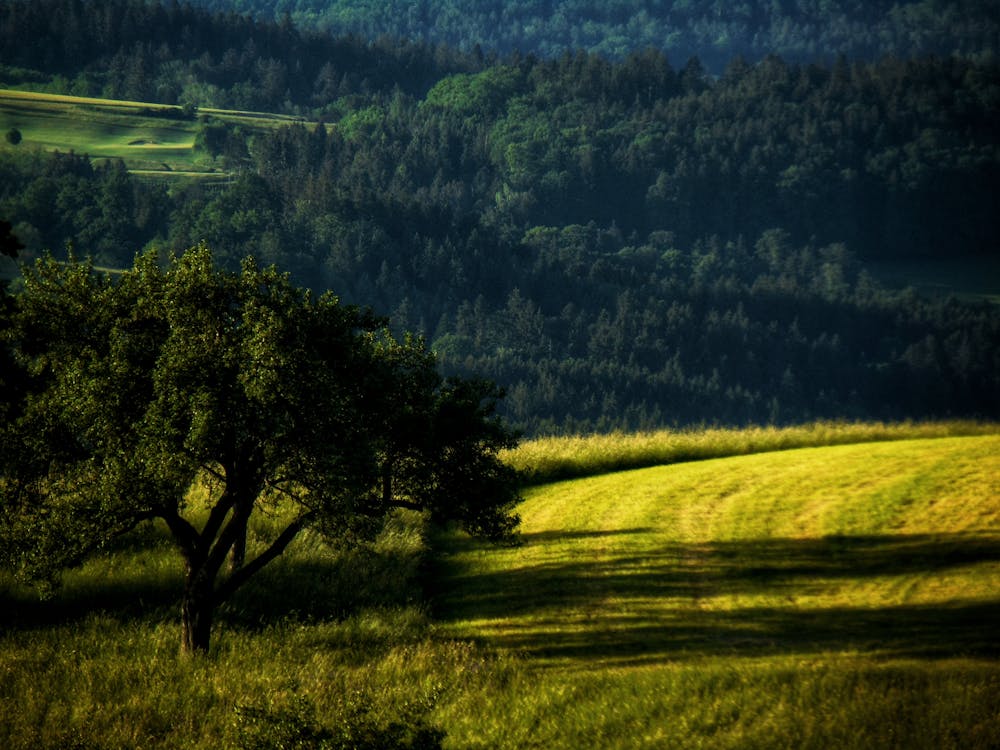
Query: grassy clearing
{"points": [[334, 637], [830, 597], [841, 596], [152, 139], [549, 459]]}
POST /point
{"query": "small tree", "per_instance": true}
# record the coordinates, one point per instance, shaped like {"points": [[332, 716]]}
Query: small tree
{"points": [[13, 136], [144, 383]]}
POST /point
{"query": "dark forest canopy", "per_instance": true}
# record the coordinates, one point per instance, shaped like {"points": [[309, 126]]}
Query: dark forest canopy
{"points": [[621, 244], [714, 30]]}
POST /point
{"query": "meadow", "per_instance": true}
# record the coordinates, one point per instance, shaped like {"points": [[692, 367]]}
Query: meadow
{"points": [[153, 140], [547, 459], [830, 596]]}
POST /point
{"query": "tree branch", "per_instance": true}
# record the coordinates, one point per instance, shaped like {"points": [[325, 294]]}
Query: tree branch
{"points": [[287, 493], [227, 538], [185, 534], [278, 546], [217, 516]]}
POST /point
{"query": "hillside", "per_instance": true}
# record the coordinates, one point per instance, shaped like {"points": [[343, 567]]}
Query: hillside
{"points": [[152, 140], [620, 244], [801, 30], [840, 596], [854, 585]]}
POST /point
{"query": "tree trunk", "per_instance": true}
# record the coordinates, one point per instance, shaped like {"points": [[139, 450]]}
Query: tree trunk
{"points": [[239, 554], [197, 610]]}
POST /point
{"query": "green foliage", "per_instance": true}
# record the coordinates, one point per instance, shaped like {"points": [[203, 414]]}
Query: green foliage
{"points": [[476, 95], [714, 31], [144, 383], [295, 727], [622, 244]]}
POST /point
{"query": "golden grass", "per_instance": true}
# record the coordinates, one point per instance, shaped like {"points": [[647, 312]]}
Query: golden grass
{"points": [[840, 596], [549, 459], [831, 597], [609, 562]]}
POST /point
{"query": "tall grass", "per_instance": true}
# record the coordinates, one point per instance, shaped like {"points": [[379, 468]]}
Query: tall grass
{"points": [[831, 597], [550, 459], [324, 641], [836, 597]]}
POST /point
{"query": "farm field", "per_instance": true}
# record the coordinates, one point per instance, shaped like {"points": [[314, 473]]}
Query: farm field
{"points": [[836, 596], [152, 139], [825, 597]]}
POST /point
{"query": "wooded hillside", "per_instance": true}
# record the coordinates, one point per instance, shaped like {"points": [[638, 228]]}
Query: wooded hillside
{"points": [[714, 30], [620, 244]]}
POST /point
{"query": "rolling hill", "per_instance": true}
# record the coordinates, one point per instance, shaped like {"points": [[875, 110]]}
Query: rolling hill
{"points": [[774, 587], [152, 139], [841, 596]]}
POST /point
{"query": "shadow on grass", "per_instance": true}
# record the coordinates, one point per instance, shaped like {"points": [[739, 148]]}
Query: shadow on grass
{"points": [[298, 589], [624, 603]]}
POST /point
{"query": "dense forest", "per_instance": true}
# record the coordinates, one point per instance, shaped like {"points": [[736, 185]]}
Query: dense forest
{"points": [[714, 30], [620, 243]]}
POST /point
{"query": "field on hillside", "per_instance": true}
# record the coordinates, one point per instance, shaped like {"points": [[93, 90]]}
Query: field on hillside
{"points": [[842, 596], [152, 139], [826, 597]]}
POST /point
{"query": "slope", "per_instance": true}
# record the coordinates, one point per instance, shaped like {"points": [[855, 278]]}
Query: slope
{"points": [[813, 597], [152, 139]]}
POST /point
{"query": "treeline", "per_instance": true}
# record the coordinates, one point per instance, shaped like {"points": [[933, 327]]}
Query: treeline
{"points": [[714, 30], [590, 331], [620, 244], [178, 54]]}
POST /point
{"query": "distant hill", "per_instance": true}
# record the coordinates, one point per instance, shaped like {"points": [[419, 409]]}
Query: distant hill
{"points": [[622, 245], [713, 30]]}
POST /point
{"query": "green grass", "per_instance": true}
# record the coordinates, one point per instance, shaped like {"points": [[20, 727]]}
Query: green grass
{"points": [[548, 459], [152, 139], [842, 596], [831, 597]]}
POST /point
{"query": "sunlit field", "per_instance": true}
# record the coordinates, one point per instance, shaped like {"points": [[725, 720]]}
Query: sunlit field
{"points": [[152, 139], [547, 459], [841, 596], [832, 597]]}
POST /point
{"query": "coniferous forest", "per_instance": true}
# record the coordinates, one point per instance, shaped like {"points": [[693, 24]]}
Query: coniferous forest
{"points": [[627, 237]]}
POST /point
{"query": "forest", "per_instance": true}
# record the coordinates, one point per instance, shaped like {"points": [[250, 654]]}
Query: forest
{"points": [[620, 241], [714, 30]]}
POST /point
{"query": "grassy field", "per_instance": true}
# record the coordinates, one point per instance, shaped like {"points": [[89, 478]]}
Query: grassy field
{"points": [[154, 140], [548, 459], [838, 596], [828, 597]]}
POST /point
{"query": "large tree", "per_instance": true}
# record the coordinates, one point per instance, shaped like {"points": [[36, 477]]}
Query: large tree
{"points": [[147, 382]]}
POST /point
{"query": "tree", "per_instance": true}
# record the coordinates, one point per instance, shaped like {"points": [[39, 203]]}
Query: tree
{"points": [[10, 375], [13, 136], [150, 382], [9, 243]]}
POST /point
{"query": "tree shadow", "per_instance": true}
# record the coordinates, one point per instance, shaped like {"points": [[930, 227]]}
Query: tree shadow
{"points": [[299, 589], [633, 607]]}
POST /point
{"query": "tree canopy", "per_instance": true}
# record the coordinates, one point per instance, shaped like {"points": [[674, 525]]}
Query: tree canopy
{"points": [[143, 384], [623, 243]]}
